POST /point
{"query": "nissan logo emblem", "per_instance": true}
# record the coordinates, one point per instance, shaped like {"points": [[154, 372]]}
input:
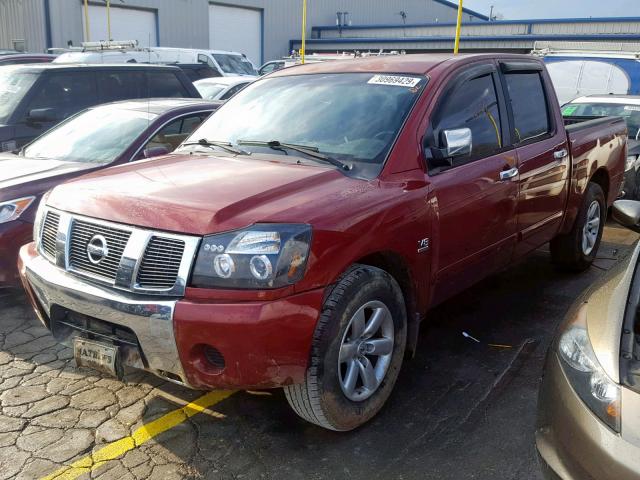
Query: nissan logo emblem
{"points": [[97, 249]]}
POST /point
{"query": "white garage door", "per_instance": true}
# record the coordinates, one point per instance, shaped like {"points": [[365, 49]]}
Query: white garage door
{"points": [[237, 30], [126, 24]]}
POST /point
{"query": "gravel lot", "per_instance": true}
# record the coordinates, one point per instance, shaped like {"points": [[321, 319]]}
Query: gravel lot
{"points": [[460, 410]]}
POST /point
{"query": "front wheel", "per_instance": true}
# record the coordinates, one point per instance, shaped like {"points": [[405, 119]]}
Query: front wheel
{"points": [[577, 250], [357, 351]]}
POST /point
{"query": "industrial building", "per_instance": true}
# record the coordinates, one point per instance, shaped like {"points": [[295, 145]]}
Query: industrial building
{"points": [[269, 29], [262, 29]]}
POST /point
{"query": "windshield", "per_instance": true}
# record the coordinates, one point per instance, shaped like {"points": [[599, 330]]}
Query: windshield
{"points": [[97, 136], [352, 117], [234, 64], [631, 113], [13, 87], [209, 91]]}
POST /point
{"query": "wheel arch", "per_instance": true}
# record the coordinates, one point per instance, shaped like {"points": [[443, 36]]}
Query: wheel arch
{"points": [[601, 177], [397, 266]]}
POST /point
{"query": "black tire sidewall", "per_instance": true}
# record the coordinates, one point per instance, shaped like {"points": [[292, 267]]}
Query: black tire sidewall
{"points": [[370, 284]]}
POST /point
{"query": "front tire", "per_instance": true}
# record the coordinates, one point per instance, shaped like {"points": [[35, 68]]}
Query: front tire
{"points": [[577, 250], [357, 351]]}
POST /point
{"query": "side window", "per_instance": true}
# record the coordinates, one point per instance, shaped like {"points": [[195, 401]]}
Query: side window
{"points": [[66, 93], [268, 68], [207, 60], [473, 105], [232, 91], [176, 132], [165, 84], [529, 105], [116, 85]]}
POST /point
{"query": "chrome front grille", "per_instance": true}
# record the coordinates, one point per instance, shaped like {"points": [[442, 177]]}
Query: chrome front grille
{"points": [[49, 233], [81, 234], [116, 255], [160, 263]]}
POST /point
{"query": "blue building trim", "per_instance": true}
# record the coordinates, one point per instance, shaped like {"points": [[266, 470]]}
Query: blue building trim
{"points": [[464, 9], [433, 39], [530, 23], [47, 24]]}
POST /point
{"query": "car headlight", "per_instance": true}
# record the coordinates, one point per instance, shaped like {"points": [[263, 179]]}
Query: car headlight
{"points": [[630, 163], [586, 376], [261, 256], [12, 209]]}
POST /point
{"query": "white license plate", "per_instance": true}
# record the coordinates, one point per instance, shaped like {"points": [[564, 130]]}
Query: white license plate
{"points": [[99, 356]]}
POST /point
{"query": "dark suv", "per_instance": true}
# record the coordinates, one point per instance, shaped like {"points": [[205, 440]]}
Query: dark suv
{"points": [[33, 98]]}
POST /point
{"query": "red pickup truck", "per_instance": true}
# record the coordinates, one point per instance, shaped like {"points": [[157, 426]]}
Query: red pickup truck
{"points": [[301, 235]]}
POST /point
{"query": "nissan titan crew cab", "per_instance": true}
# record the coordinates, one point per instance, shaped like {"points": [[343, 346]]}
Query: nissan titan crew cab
{"points": [[298, 238]]}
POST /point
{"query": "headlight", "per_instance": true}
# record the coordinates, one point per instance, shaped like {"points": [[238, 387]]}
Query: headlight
{"points": [[12, 209], [585, 374], [630, 163], [261, 256]]}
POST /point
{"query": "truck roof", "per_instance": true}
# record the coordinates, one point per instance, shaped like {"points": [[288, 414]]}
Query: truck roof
{"points": [[417, 64]]}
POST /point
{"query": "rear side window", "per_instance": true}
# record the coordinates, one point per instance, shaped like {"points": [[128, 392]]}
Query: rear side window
{"points": [[66, 93], [529, 105], [115, 86], [165, 84], [473, 105], [232, 91]]}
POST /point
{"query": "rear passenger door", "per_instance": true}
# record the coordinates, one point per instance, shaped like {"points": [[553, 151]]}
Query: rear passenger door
{"points": [[474, 196], [541, 147]]}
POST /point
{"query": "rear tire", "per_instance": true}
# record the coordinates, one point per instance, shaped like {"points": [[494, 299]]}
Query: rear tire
{"points": [[362, 332], [577, 250]]}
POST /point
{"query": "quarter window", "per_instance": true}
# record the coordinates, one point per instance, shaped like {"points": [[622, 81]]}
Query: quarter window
{"points": [[529, 105], [165, 84], [473, 105]]}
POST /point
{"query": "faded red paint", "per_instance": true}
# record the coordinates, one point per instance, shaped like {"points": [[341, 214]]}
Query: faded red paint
{"points": [[476, 224]]}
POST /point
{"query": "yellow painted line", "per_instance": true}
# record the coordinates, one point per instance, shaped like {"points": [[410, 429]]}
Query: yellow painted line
{"points": [[142, 435]]}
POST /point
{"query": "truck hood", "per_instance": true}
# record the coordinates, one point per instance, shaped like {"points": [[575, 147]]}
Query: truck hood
{"points": [[201, 194], [16, 170]]}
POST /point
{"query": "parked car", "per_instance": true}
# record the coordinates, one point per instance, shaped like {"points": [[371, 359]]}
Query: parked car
{"points": [[625, 106], [102, 136], [591, 68], [301, 234], [21, 58], [222, 88], [225, 63], [198, 71], [33, 98], [589, 404]]}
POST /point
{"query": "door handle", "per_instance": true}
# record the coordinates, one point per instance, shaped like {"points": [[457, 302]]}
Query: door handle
{"points": [[560, 154], [508, 174]]}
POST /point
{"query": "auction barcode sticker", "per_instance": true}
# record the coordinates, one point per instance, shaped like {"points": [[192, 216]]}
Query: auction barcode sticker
{"points": [[394, 80]]}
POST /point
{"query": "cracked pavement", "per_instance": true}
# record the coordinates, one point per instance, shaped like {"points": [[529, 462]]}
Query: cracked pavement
{"points": [[460, 409]]}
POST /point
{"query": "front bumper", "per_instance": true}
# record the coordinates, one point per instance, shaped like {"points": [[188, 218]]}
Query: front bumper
{"points": [[262, 344], [572, 441]]}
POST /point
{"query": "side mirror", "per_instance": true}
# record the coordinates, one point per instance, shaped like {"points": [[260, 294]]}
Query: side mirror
{"points": [[155, 152], [43, 115], [456, 142], [627, 214]]}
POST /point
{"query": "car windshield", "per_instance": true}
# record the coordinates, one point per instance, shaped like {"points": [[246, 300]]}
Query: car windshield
{"points": [[13, 86], [234, 64], [97, 136], [631, 113], [352, 117], [209, 90]]}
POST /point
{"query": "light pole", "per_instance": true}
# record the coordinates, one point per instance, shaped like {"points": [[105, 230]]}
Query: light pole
{"points": [[304, 30], [458, 26]]}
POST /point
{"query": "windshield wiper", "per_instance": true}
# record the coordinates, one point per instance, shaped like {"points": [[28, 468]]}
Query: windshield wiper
{"points": [[313, 152], [215, 143]]}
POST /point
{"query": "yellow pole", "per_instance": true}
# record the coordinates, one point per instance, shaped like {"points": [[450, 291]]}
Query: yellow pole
{"points": [[109, 20], [304, 29], [458, 26], [87, 31]]}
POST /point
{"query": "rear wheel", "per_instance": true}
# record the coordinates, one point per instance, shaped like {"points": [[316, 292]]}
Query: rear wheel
{"points": [[577, 250], [357, 351]]}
